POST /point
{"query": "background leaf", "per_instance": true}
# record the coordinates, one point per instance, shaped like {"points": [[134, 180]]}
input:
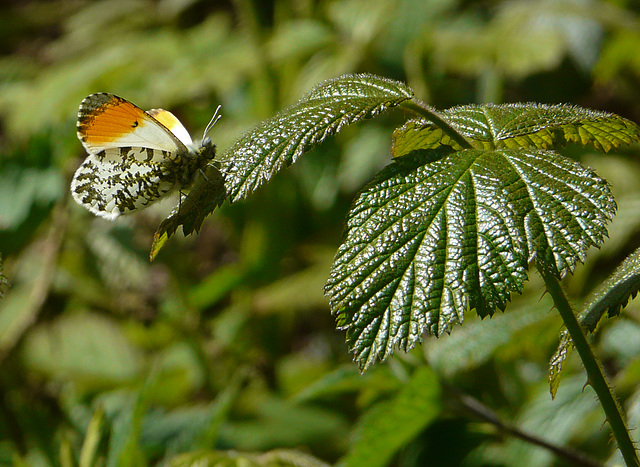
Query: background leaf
{"points": [[280, 458], [475, 343], [390, 425], [70, 348]]}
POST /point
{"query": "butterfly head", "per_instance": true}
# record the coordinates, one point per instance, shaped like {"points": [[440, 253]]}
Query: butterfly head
{"points": [[206, 150]]}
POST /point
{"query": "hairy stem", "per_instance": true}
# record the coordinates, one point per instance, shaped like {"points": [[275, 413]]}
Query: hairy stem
{"points": [[434, 116], [595, 372]]}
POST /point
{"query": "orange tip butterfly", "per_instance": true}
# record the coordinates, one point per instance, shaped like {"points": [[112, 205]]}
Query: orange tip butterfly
{"points": [[135, 157]]}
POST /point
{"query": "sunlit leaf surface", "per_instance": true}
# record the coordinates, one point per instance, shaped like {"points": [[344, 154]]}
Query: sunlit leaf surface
{"points": [[519, 126], [281, 140], [438, 233]]}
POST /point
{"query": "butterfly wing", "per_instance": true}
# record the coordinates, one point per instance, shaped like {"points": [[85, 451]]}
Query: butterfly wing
{"points": [[106, 121], [173, 125], [134, 157], [120, 180]]}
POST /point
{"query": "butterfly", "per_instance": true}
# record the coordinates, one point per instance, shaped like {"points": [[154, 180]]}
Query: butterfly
{"points": [[135, 157]]}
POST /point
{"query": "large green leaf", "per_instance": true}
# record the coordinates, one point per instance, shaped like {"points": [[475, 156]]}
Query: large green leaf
{"points": [[519, 126], [440, 232]]}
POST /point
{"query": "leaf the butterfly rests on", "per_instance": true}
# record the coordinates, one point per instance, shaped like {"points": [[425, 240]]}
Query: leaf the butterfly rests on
{"points": [[281, 140]]}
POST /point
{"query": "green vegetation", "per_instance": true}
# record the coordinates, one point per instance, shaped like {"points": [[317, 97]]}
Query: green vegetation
{"points": [[223, 350]]}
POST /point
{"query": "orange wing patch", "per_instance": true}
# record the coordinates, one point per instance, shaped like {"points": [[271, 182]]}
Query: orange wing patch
{"points": [[106, 121], [105, 118]]}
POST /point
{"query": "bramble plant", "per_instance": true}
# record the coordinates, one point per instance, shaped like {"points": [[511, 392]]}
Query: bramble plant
{"points": [[474, 195]]}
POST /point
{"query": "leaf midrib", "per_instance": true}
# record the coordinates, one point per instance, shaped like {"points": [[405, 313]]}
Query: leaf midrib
{"points": [[422, 231]]}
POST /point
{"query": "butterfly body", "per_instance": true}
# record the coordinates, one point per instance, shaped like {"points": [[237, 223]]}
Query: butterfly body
{"points": [[135, 157]]}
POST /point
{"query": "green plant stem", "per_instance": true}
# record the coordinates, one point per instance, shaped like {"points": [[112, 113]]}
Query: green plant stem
{"points": [[434, 116], [594, 370]]}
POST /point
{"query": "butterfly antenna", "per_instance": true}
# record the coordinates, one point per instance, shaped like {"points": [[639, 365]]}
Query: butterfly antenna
{"points": [[214, 119]]}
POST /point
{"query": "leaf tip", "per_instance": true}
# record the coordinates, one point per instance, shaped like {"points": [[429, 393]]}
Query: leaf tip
{"points": [[159, 239]]}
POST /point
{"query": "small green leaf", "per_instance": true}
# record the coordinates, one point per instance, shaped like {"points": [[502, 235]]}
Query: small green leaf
{"points": [[159, 239], [612, 295], [343, 378], [281, 140], [206, 194], [556, 364], [438, 233], [519, 126]]}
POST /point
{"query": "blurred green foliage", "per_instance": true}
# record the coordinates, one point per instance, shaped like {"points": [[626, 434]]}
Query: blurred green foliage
{"points": [[223, 350]]}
